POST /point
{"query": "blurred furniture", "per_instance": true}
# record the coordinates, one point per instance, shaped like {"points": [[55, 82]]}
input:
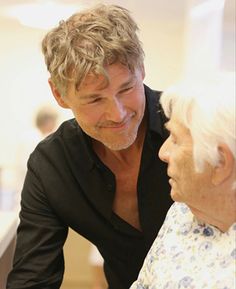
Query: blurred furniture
{"points": [[8, 226], [78, 271]]}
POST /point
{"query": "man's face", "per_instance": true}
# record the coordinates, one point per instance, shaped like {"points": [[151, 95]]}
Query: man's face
{"points": [[110, 114], [187, 185]]}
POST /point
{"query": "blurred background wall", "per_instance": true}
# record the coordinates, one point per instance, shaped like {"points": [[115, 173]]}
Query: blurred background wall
{"points": [[179, 37]]}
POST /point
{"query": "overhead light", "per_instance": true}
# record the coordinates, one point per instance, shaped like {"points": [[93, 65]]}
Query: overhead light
{"points": [[42, 15]]}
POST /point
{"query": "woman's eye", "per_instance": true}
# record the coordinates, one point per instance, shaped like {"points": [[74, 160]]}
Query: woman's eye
{"points": [[173, 139]]}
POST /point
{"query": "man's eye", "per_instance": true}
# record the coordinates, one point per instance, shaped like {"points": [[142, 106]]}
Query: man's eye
{"points": [[95, 100], [126, 89]]}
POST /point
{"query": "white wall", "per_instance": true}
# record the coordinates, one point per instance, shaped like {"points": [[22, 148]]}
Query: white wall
{"points": [[22, 84]]}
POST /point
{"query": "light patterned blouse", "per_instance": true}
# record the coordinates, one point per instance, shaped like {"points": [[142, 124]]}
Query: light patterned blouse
{"points": [[189, 255]]}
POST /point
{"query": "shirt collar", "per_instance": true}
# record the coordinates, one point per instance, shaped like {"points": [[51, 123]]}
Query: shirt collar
{"points": [[155, 114]]}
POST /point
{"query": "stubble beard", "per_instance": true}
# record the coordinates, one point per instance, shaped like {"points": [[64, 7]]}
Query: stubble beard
{"points": [[122, 142], [117, 146]]}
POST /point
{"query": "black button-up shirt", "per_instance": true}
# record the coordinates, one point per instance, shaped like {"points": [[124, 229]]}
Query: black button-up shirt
{"points": [[68, 186]]}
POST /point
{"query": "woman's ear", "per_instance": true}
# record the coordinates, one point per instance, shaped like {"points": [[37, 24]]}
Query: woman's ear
{"points": [[225, 167], [57, 94]]}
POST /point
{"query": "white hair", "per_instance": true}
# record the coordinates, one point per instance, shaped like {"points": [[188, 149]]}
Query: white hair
{"points": [[207, 108]]}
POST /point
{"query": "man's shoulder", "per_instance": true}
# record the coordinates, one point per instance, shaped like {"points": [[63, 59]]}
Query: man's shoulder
{"points": [[67, 130], [63, 143]]}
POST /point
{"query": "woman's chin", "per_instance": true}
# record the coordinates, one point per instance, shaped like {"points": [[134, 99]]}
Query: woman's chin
{"points": [[175, 196]]}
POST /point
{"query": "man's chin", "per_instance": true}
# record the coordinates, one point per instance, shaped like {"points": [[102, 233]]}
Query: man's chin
{"points": [[119, 145]]}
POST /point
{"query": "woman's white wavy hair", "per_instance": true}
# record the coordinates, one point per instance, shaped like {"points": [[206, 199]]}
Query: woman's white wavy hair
{"points": [[207, 108]]}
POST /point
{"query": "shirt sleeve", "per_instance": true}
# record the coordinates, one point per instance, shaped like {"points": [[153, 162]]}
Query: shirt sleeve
{"points": [[38, 261]]}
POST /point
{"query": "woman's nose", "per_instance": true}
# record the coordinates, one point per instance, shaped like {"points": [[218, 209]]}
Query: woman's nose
{"points": [[164, 152]]}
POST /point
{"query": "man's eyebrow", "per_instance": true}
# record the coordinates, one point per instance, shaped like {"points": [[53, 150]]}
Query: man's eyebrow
{"points": [[90, 96], [96, 95], [128, 82]]}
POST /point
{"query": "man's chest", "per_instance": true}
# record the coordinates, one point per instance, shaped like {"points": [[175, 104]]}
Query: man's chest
{"points": [[125, 202]]}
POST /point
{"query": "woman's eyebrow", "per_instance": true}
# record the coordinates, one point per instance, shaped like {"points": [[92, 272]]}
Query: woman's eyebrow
{"points": [[170, 126]]}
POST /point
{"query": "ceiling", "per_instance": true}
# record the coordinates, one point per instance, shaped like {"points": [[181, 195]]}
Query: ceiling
{"points": [[151, 9]]}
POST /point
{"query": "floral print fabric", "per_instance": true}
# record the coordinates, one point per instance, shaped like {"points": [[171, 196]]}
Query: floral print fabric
{"points": [[189, 255]]}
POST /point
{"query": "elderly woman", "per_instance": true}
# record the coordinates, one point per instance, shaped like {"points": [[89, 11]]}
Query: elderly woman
{"points": [[195, 247]]}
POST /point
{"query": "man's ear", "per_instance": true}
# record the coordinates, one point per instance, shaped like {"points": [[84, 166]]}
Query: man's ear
{"points": [[143, 71], [225, 168], [57, 94]]}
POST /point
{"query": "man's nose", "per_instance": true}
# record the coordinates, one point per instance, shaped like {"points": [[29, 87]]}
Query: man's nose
{"points": [[164, 152], [115, 110]]}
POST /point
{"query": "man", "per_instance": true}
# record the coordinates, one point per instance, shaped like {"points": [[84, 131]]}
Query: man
{"points": [[98, 173], [195, 247]]}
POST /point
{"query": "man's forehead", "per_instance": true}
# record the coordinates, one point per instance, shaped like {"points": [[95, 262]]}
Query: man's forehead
{"points": [[97, 80]]}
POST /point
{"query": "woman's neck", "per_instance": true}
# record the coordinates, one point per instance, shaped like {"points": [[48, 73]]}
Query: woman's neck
{"points": [[222, 218]]}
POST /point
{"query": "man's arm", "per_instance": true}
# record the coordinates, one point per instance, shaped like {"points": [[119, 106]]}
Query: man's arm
{"points": [[38, 260]]}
